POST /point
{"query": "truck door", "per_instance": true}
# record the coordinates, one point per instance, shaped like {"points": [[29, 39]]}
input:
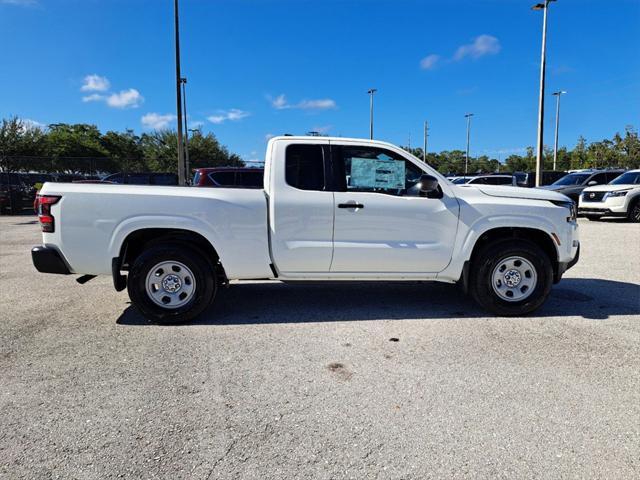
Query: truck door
{"points": [[301, 209], [381, 222]]}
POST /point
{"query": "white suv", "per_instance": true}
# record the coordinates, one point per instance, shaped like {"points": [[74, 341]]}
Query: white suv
{"points": [[618, 198]]}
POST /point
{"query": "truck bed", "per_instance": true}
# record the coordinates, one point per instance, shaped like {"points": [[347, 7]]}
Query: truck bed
{"points": [[92, 218]]}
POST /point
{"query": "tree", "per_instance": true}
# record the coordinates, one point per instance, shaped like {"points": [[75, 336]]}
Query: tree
{"points": [[20, 145]]}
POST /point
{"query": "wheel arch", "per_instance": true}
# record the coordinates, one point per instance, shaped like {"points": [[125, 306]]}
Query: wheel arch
{"points": [[534, 235], [140, 239]]}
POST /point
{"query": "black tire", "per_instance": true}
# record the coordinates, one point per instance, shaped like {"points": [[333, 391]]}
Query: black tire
{"points": [[203, 271], [487, 260], [633, 215], [593, 218]]}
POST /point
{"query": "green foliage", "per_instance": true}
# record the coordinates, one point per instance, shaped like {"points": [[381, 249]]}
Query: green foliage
{"points": [[621, 151], [82, 148]]}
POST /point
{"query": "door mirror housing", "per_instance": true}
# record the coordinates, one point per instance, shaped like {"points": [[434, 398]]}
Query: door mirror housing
{"points": [[592, 183], [428, 184]]}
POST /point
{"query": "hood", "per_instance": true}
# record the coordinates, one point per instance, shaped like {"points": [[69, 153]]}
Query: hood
{"points": [[506, 191], [610, 188], [556, 188]]}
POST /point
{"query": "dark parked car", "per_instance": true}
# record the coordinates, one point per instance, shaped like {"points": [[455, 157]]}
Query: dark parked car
{"points": [[146, 178], [528, 179], [573, 184], [229, 177], [15, 193]]}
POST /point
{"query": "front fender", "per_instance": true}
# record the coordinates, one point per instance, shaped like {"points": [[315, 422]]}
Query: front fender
{"points": [[485, 224]]}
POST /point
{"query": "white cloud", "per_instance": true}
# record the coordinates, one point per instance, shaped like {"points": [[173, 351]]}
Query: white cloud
{"points": [[28, 124], [20, 3], [323, 129], [269, 136], [130, 98], [223, 115], [281, 103], [94, 97], [429, 62], [481, 46], [95, 83], [196, 125], [157, 121]]}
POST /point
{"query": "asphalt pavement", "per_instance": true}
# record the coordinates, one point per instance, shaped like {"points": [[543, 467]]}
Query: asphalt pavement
{"points": [[355, 381]]}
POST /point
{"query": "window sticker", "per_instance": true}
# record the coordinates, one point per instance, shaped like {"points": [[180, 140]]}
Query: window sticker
{"points": [[377, 173]]}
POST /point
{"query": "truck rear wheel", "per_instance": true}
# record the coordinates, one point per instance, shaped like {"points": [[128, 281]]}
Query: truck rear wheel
{"points": [[172, 283], [511, 278]]}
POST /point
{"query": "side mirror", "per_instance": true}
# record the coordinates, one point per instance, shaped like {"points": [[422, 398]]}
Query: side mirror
{"points": [[592, 183], [428, 184]]}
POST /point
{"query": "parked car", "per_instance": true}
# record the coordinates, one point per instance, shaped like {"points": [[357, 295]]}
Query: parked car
{"points": [[573, 184], [229, 177], [486, 180], [15, 194], [619, 198], [528, 179], [333, 209], [144, 178]]}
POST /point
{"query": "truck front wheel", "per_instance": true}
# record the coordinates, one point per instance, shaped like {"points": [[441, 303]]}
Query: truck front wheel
{"points": [[511, 278], [171, 283]]}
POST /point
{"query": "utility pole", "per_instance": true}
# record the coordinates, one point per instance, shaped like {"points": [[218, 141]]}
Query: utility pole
{"points": [[557, 94], [371, 92], [424, 148], [186, 131], [181, 170], [466, 158], [543, 66]]}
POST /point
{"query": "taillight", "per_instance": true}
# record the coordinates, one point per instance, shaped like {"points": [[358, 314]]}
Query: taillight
{"points": [[44, 203]]}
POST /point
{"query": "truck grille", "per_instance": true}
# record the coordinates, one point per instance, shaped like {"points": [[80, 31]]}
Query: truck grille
{"points": [[593, 196]]}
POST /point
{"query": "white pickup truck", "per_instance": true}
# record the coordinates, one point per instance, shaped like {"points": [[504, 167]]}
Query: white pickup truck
{"points": [[332, 209]]}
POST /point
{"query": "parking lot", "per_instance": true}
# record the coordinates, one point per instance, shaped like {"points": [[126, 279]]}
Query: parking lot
{"points": [[393, 381]]}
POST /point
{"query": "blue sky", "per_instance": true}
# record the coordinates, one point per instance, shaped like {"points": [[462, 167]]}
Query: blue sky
{"points": [[264, 67]]}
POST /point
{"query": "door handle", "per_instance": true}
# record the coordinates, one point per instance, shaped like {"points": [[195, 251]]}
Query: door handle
{"points": [[350, 205]]}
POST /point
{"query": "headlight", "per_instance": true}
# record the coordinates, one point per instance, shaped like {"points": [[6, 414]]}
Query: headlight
{"points": [[619, 193], [573, 211]]}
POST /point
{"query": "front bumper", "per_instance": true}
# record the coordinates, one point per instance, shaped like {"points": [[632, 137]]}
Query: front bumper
{"points": [[48, 260], [601, 211], [564, 266]]}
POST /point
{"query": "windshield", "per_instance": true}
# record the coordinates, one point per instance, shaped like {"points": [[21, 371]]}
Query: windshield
{"points": [[572, 179], [629, 178], [460, 180]]}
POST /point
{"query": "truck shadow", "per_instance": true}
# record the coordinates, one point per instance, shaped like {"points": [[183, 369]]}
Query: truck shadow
{"points": [[274, 302]]}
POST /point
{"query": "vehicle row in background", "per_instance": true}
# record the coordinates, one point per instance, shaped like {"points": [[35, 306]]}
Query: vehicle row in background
{"points": [[573, 184], [619, 198]]}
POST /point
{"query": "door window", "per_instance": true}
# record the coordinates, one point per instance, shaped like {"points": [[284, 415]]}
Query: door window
{"points": [[304, 167], [599, 178], [370, 169]]}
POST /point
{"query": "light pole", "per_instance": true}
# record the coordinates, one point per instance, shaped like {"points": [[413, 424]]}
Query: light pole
{"points": [[543, 65], [426, 134], [557, 94], [181, 170], [371, 92], [186, 130], [466, 158]]}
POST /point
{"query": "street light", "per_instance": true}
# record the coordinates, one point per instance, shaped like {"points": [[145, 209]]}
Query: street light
{"points": [[466, 159], [186, 129], [557, 94], [181, 169], [539, 163], [371, 91]]}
